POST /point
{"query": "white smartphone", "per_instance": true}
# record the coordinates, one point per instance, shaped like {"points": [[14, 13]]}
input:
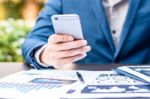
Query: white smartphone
{"points": [[68, 24]]}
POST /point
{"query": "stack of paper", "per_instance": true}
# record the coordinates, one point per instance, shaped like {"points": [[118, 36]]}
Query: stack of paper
{"points": [[137, 72], [56, 84], [109, 84]]}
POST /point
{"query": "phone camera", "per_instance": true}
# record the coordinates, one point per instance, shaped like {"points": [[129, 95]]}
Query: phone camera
{"points": [[56, 18]]}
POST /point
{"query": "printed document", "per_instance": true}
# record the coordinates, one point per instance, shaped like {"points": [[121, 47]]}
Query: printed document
{"points": [[61, 84]]}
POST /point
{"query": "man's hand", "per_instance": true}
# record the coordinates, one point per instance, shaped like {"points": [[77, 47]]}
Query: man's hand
{"points": [[63, 49]]}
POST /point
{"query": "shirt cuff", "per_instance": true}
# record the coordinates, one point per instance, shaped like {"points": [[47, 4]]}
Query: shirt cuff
{"points": [[37, 56]]}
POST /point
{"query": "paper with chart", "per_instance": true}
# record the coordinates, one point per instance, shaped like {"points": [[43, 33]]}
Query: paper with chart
{"points": [[109, 84], [56, 84], [37, 84]]}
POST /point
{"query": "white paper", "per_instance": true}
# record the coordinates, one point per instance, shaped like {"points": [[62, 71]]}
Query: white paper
{"points": [[37, 84], [142, 72], [108, 84], [56, 84]]}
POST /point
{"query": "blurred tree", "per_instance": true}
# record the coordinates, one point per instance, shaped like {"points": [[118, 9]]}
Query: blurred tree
{"points": [[2, 12], [17, 9], [30, 10], [12, 8], [13, 31]]}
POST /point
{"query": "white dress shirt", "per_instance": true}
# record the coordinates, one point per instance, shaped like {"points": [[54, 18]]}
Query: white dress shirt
{"points": [[116, 11]]}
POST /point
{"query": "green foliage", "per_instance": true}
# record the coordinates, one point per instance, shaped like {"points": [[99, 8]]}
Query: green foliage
{"points": [[12, 35], [14, 8]]}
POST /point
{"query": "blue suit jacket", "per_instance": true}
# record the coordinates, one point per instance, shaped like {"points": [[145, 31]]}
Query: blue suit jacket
{"points": [[134, 47]]}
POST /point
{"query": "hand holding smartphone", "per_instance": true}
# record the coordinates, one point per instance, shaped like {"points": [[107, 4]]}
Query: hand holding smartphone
{"points": [[67, 48], [68, 24]]}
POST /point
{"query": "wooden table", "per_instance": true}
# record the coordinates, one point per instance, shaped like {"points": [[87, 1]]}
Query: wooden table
{"points": [[7, 68]]}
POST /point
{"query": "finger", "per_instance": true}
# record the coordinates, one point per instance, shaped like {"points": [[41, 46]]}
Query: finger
{"points": [[57, 38], [72, 52], [73, 59], [68, 45], [70, 60]]}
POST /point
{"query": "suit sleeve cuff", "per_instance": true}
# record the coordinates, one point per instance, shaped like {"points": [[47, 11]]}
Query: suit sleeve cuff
{"points": [[37, 56]]}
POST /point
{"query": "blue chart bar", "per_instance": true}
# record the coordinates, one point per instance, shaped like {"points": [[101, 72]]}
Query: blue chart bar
{"points": [[24, 88]]}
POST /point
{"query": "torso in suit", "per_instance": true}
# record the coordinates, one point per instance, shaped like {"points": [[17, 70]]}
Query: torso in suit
{"points": [[134, 46]]}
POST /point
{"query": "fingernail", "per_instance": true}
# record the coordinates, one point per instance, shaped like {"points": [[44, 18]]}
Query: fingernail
{"points": [[88, 48], [84, 55], [84, 42]]}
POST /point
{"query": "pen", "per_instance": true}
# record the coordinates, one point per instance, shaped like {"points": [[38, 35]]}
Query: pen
{"points": [[80, 77]]}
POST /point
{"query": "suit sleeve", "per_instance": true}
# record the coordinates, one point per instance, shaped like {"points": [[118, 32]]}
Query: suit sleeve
{"points": [[41, 31]]}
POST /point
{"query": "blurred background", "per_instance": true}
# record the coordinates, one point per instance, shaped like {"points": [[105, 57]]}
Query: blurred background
{"points": [[17, 18]]}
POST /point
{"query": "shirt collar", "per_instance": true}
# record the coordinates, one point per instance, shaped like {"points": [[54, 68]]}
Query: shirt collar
{"points": [[113, 2]]}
